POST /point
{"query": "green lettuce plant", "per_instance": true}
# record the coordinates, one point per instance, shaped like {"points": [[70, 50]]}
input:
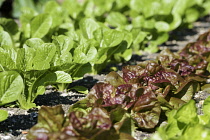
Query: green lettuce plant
{"points": [[26, 71], [185, 123]]}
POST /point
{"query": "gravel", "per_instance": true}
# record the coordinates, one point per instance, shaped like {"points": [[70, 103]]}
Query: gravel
{"points": [[20, 121]]}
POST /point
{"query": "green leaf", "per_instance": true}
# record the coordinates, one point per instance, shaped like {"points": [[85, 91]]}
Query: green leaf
{"points": [[177, 20], [152, 48], [6, 60], [64, 45], [180, 7], [79, 70], [197, 132], [101, 7], [187, 113], [147, 7], [3, 115], [138, 21], [116, 19], [41, 25], [85, 53], [73, 8], [127, 54], [187, 89], [9, 25], [24, 102], [80, 89], [121, 3], [39, 56], [24, 59], [172, 128], [56, 11], [11, 86], [206, 106], [62, 77], [134, 5], [204, 119], [18, 4], [162, 26], [166, 6], [88, 26], [5, 39], [138, 37], [161, 38], [37, 88], [112, 38], [192, 14], [34, 42], [101, 55], [25, 20]]}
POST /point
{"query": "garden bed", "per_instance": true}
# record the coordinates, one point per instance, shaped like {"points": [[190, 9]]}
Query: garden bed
{"points": [[20, 121]]}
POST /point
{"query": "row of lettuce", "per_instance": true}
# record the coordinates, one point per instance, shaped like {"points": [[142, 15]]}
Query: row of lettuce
{"points": [[183, 123], [149, 21], [69, 39], [141, 97]]}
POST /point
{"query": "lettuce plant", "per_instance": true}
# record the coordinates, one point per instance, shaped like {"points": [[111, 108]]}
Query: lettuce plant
{"points": [[82, 124], [184, 123], [26, 71]]}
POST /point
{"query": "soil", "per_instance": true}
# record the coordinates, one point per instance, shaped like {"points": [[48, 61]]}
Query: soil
{"points": [[20, 121]]}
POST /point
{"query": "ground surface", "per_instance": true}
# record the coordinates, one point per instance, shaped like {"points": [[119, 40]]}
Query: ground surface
{"points": [[20, 121]]}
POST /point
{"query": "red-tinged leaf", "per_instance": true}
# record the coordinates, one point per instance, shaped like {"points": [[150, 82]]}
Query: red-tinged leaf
{"points": [[131, 90], [182, 67], [152, 68], [88, 125], [167, 77], [166, 56], [146, 111], [107, 95], [131, 73], [196, 49]]}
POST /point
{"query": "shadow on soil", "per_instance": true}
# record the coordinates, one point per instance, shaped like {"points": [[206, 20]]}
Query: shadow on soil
{"points": [[16, 123]]}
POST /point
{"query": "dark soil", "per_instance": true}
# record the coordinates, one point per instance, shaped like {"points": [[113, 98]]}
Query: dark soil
{"points": [[20, 121]]}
